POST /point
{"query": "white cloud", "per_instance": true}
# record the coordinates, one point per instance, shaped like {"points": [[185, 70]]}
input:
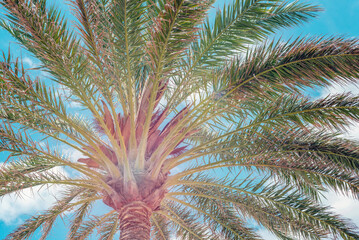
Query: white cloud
{"points": [[344, 205], [353, 132], [267, 235], [29, 201], [29, 62], [336, 89], [72, 154]]}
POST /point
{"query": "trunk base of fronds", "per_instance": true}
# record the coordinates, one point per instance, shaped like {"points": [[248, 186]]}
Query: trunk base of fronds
{"points": [[135, 221]]}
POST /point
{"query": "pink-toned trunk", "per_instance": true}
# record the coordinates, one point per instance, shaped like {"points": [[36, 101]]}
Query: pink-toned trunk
{"points": [[135, 221]]}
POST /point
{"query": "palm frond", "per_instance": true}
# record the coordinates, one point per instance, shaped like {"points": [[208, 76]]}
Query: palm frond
{"points": [[317, 160], [44, 32], [310, 160], [109, 227], [186, 224], [34, 105], [244, 23], [174, 28], [314, 221], [222, 221], [265, 113], [335, 112], [47, 219], [81, 213], [87, 227], [294, 65], [161, 228]]}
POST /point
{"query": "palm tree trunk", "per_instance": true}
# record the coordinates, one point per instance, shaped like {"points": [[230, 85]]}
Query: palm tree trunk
{"points": [[135, 221]]}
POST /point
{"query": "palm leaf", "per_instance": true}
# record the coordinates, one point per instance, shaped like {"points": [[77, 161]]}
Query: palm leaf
{"points": [[244, 23], [47, 219], [160, 228], [317, 220], [295, 65]]}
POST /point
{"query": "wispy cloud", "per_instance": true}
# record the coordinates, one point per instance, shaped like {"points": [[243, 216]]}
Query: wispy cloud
{"points": [[28, 62], [72, 154], [336, 89], [344, 205], [29, 201], [267, 235]]}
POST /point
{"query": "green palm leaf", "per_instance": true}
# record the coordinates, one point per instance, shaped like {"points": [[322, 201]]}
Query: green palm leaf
{"points": [[249, 21], [283, 202], [300, 63]]}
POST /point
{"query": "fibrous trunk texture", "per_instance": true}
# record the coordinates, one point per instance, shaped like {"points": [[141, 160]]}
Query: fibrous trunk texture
{"points": [[135, 221]]}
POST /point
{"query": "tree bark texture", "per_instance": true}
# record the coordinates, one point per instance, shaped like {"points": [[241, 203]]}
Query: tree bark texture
{"points": [[135, 221]]}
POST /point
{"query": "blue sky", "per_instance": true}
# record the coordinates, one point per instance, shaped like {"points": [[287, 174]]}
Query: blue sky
{"points": [[339, 18]]}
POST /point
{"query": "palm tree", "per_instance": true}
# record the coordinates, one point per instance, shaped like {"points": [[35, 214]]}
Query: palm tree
{"points": [[189, 128]]}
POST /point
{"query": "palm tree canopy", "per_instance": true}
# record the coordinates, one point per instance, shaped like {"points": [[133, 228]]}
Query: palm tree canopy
{"points": [[189, 128]]}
